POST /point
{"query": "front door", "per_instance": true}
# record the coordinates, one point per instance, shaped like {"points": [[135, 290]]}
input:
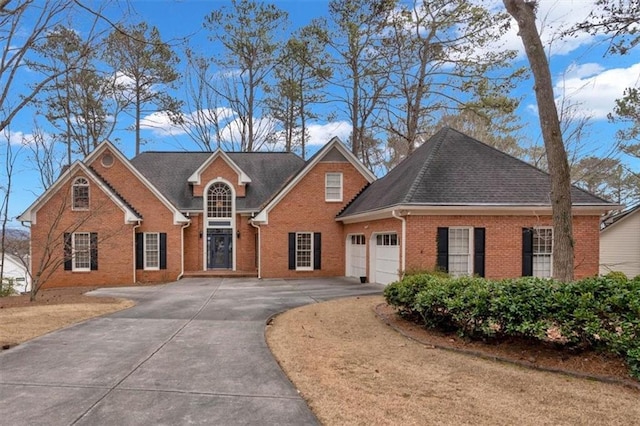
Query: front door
{"points": [[219, 248]]}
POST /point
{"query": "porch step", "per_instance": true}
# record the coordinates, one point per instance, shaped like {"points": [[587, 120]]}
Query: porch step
{"points": [[220, 273]]}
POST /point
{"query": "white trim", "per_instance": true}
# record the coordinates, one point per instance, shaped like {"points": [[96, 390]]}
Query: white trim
{"points": [[30, 215], [178, 217], [73, 194], [144, 251], [326, 187], [243, 178], [206, 218], [263, 216], [470, 243], [74, 268], [311, 252], [471, 210], [403, 242], [533, 251]]}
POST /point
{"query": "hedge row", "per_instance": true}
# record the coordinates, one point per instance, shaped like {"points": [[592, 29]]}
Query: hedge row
{"points": [[599, 312]]}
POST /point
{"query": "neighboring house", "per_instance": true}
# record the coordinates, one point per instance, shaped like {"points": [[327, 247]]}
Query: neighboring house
{"points": [[15, 272], [620, 243], [455, 203]]}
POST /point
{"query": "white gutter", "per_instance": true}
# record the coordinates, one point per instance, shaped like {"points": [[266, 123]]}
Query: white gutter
{"points": [[258, 248], [182, 250], [135, 278], [403, 243]]}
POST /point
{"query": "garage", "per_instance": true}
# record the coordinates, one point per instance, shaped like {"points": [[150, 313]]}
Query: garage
{"points": [[385, 258], [356, 256]]}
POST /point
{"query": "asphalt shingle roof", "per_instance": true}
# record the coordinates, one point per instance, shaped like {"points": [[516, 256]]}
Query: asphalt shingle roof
{"points": [[169, 173], [452, 168]]}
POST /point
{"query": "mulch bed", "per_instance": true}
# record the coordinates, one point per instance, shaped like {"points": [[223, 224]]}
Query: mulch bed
{"points": [[532, 354], [54, 296]]}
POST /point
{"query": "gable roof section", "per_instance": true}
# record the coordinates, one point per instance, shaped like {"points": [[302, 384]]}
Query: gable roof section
{"points": [[328, 149], [178, 217], [243, 178], [610, 221], [453, 169], [170, 172], [30, 215]]}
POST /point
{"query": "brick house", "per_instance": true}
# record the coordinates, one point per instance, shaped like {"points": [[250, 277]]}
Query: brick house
{"points": [[455, 203]]}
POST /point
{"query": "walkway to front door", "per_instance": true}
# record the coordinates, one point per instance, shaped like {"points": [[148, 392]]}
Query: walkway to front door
{"points": [[219, 248]]}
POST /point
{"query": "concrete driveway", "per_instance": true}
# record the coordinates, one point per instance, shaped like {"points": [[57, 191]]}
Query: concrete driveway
{"points": [[190, 352]]}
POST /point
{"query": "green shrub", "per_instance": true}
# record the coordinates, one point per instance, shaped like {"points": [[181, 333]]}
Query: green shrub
{"points": [[6, 287]]}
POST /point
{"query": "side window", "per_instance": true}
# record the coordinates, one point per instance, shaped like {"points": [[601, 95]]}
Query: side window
{"points": [[304, 251], [151, 250], [333, 187], [459, 251], [542, 252], [80, 194], [81, 251]]}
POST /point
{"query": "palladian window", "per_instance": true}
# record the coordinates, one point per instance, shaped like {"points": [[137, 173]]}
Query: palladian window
{"points": [[219, 200]]}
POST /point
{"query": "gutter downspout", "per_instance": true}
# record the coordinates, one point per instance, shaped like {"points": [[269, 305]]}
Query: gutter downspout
{"points": [[251, 222], [403, 242], [135, 278], [182, 250]]}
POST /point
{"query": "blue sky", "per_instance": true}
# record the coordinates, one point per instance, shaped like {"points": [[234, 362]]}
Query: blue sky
{"points": [[579, 68]]}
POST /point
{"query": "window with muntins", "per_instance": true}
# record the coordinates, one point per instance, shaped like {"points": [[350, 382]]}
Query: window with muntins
{"points": [[80, 194], [333, 187], [304, 251], [81, 244], [152, 250], [542, 252], [219, 203], [459, 252], [387, 239]]}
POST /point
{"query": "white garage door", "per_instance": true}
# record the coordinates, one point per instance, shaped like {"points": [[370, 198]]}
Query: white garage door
{"points": [[356, 256], [385, 258]]}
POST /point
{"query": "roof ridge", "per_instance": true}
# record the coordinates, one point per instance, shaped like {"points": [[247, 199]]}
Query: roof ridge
{"points": [[573, 186], [439, 140]]}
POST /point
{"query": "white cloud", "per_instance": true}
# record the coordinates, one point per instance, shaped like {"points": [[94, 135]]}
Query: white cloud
{"points": [[595, 89], [320, 134], [161, 125]]}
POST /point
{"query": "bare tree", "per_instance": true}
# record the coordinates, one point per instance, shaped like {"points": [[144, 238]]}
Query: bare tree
{"points": [[9, 163], [524, 12]]}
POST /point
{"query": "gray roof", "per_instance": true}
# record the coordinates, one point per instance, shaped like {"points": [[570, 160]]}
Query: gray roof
{"points": [[169, 173], [452, 168]]}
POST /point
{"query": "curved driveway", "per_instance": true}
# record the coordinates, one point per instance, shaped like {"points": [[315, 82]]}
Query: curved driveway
{"points": [[190, 352]]}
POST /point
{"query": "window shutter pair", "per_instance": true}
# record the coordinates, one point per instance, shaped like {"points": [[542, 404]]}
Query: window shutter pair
{"points": [[140, 250], [527, 252], [68, 251], [317, 250], [442, 256]]}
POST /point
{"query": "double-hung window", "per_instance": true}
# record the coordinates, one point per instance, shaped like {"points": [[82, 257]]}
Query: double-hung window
{"points": [[542, 252], [81, 251], [460, 254], [152, 250], [304, 251], [80, 194], [333, 187]]}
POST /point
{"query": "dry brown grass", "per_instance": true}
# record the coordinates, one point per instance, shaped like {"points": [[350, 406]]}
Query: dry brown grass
{"points": [[19, 324], [353, 369]]}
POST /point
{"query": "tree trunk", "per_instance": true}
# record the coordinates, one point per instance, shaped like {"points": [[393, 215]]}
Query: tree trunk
{"points": [[524, 14]]}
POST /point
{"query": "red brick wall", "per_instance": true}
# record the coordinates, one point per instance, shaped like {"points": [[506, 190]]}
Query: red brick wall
{"points": [[115, 240], [503, 240], [304, 210], [156, 217]]}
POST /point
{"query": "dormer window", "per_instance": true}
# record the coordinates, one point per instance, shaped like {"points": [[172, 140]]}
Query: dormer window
{"points": [[80, 194]]}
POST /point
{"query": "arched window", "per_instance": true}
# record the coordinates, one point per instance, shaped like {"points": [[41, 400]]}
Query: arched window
{"points": [[219, 200], [80, 194]]}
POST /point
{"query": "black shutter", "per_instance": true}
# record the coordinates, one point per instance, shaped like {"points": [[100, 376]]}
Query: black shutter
{"points": [[292, 250], [163, 250], [527, 252], [68, 256], [317, 250], [93, 250], [478, 251], [139, 250], [442, 242]]}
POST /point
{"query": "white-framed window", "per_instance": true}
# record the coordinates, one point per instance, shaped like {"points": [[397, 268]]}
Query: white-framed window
{"points": [[333, 187], [460, 255], [387, 239], [80, 194], [543, 252], [151, 250], [81, 251], [219, 202], [304, 251], [358, 240]]}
